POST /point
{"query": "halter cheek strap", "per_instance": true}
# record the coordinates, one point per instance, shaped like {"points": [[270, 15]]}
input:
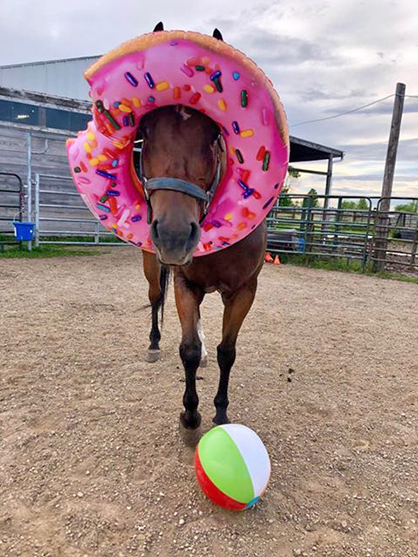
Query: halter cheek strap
{"points": [[181, 186]]}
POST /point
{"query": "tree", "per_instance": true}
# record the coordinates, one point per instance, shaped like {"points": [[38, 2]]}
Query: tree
{"points": [[411, 207], [284, 199], [311, 201], [363, 204]]}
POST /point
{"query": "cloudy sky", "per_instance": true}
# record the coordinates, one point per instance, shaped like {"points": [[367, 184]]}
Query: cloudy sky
{"points": [[324, 57]]}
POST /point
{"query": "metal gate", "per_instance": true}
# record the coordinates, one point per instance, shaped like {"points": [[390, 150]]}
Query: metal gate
{"points": [[61, 216], [321, 226], [12, 199]]}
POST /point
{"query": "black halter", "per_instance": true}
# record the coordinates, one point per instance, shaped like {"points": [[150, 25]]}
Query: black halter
{"points": [[173, 184]]}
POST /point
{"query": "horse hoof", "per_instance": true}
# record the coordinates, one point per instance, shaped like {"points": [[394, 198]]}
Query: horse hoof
{"points": [[190, 437], [152, 356], [204, 362], [222, 420]]}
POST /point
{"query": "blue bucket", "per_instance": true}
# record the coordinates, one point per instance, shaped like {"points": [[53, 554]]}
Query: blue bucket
{"points": [[24, 230]]}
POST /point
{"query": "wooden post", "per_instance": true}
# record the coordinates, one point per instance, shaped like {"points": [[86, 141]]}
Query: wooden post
{"points": [[383, 219]]}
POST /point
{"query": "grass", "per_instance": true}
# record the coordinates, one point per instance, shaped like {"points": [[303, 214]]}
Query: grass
{"points": [[44, 252], [342, 265]]}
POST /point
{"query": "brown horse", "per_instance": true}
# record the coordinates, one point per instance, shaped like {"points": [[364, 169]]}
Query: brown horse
{"points": [[185, 145]]}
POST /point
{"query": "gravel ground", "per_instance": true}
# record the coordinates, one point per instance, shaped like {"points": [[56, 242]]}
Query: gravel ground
{"points": [[91, 462]]}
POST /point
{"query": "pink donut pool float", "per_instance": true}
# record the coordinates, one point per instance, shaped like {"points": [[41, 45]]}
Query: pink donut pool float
{"points": [[200, 72]]}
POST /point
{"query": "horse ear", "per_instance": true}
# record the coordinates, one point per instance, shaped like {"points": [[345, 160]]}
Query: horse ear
{"points": [[159, 27], [217, 34]]}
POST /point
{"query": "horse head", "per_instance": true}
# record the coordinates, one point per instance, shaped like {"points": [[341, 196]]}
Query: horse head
{"points": [[181, 164]]}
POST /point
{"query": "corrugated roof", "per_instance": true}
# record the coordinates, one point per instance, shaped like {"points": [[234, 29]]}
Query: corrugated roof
{"points": [[43, 63]]}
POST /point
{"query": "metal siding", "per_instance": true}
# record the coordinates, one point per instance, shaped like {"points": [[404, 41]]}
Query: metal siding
{"points": [[61, 78]]}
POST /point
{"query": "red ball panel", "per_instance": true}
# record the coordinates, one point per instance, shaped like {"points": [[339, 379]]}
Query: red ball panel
{"points": [[211, 491]]}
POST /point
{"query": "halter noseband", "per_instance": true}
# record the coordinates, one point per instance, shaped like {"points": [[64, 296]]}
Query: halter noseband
{"points": [[181, 186]]}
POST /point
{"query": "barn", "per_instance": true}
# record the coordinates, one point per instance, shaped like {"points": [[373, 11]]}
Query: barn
{"points": [[41, 105]]}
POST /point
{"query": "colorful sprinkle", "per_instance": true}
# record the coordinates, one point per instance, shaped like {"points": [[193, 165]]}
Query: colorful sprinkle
{"points": [[218, 86], [195, 98], [200, 68], [248, 214], [243, 185], [216, 224], [222, 104], [102, 158], [209, 89], [266, 161], [114, 192], [113, 205], [239, 156], [162, 86], [116, 104], [131, 79], [124, 108], [103, 217], [261, 153], [265, 117], [131, 119], [187, 87], [244, 98], [187, 71], [149, 80], [228, 216], [83, 180], [177, 92], [125, 121], [111, 120], [276, 186], [99, 106], [93, 162], [236, 76], [129, 236], [103, 208], [106, 174], [151, 99], [193, 61], [268, 202], [247, 193], [136, 102], [77, 169], [215, 75], [115, 163], [87, 147], [136, 218], [83, 166], [242, 225], [90, 135], [235, 127], [247, 133], [104, 199]]}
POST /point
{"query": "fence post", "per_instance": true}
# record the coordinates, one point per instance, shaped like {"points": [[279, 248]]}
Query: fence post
{"points": [[382, 221], [37, 220]]}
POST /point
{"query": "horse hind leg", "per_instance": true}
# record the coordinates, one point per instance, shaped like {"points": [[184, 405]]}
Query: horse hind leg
{"points": [[154, 353], [158, 278]]}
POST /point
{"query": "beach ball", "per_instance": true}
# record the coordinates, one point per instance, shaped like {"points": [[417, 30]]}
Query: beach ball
{"points": [[232, 466]]}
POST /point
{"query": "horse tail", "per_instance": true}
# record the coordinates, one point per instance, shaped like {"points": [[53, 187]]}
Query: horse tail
{"points": [[164, 282]]}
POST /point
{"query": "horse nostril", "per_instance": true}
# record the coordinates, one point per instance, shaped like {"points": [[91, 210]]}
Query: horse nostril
{"points": [[194, 232], [154, 230]]}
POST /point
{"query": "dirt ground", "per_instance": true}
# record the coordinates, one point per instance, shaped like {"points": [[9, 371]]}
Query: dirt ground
{"points": [[91, 460]]}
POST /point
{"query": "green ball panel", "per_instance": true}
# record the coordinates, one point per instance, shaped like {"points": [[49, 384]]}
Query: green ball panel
{"points": [[224, 465]]}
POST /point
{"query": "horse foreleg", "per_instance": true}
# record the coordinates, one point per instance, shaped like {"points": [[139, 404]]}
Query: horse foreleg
{"points": [[188, 301], [237, 306], [204, 355], [152, 271]]}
